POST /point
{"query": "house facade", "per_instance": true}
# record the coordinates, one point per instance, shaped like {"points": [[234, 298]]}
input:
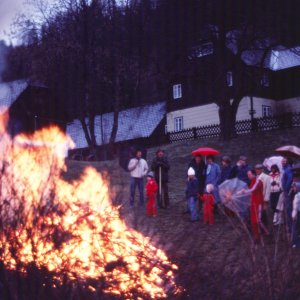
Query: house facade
{"points": [[208, 114], [269, 90]]}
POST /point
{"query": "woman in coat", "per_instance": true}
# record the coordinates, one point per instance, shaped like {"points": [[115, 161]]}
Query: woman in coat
{"points": [[256, 202], [275, 191]]}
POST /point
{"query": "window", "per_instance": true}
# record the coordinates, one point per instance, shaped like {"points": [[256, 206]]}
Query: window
{"points": [[202, 50], [229, 78], [265, 80], [177, 91], [266, 111], [178, 124]]}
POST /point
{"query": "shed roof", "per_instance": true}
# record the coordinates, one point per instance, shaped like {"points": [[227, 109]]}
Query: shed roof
{"points": [[10, 91], [133, 123]]}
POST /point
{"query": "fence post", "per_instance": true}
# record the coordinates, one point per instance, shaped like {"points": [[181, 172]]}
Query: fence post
{"points": [[254, 125], [168, 137], [194, 132], [288, 120]]}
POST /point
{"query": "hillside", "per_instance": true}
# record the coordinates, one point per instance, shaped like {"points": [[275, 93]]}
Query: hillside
{"points": [[219, 261], [255, 146]]}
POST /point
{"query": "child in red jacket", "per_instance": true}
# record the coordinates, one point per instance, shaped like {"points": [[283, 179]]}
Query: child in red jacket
{"points": [[208, 206], [151, 189]]}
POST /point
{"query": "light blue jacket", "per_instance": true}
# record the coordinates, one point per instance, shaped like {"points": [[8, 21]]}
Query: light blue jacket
{"points": [[213, 173]]}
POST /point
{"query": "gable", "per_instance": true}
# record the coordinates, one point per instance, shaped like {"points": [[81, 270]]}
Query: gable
{"points": [[10, 91]]}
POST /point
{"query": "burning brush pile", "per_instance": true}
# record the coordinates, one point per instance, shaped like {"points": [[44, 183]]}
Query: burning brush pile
{"points": [[61, 239]]}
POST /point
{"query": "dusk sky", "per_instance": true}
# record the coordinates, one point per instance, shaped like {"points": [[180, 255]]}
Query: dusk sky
{"points": [[8, 11]]}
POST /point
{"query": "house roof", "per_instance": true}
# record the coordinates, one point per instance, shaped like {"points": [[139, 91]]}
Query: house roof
{"points": [[10, 91], [277, 58], [133, 123]]}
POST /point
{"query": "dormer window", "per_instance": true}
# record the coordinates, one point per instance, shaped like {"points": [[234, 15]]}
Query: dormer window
{"points": [[177, 91], [201, 50], [229, 78]]}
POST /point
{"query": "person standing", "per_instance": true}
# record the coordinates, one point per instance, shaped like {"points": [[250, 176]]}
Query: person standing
{"points": [[296, 215], [191, 193], [160, 166], [208, 200], [198, 165], [225, 169], [275, 191], [256, 203], [286, 182], [266, 181], [240, 170], [151, 190], [225, 174], [213, 173], [138, 168]]}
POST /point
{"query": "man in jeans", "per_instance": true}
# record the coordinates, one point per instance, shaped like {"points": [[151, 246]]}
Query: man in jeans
{"points": [[138, 168], [160, 166]]}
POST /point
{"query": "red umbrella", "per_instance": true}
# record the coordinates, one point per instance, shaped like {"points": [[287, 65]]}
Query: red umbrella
{"points": [[289, 151], [205, 151]]}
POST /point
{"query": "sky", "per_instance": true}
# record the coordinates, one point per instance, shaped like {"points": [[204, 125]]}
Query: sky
{"points": [[8, 11]]}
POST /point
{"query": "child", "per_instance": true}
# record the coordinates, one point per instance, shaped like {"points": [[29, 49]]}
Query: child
{"points": [[151, 189], [208, 207], [192, 187]]}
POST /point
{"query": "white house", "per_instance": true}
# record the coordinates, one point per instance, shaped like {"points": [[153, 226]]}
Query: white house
{"points": [[279, 64], [208, 114]]}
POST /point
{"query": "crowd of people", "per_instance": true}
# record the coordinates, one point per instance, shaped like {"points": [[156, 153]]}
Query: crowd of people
{"points": [[274, 193]]}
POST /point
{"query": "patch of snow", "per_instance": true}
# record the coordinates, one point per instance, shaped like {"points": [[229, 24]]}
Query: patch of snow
{"points": [[133, 123]]}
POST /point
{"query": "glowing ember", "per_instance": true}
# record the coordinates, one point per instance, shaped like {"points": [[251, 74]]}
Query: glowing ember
{"points": [[71, 229]]}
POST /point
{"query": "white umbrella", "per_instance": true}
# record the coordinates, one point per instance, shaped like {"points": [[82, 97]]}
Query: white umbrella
{"points": [[231, 197], [273, 160]]}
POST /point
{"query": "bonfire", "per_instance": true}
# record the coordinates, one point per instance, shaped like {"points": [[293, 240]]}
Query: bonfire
{"points": [[70, 231]]}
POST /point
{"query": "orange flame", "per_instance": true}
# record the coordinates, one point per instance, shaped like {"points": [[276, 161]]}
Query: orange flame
{"points": [[71, 228]]}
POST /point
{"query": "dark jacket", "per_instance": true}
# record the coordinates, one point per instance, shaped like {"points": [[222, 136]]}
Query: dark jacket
{"points": [[192, 186], [287, 179], [225, 174], [199, 173], [161, 162], [241, 173]]}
